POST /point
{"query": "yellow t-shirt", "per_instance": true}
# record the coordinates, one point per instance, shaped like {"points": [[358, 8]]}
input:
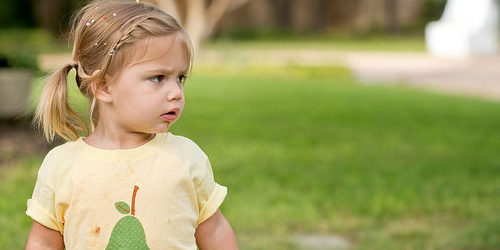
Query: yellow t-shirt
{"points": [[150, 197]]}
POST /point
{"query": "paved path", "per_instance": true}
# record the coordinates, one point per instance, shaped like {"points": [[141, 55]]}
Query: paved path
{"points": [[477, 77]]}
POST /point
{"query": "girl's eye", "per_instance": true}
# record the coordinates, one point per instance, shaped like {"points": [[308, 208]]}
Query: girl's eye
{"points": [[156, 79], [181, 78]]}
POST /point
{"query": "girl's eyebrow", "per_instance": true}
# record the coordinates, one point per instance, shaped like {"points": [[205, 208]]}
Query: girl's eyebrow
{"points": [[164, 71], [158, 71]]}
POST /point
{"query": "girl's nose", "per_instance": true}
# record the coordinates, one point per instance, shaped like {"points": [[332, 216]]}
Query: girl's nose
{"points": [[174, 92]]}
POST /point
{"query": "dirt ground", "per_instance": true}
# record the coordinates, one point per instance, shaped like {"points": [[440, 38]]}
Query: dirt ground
{"points": [[19, 139]]}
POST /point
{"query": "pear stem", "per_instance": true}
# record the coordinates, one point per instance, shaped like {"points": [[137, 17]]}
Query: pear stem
{"points": [[133, 199]]}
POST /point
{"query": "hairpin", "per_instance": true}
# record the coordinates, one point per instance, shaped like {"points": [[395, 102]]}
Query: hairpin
{"points": [[104, 43], [77, 78]]}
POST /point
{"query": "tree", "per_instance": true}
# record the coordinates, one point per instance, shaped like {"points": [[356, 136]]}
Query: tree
{"points": [[54, 15], [392, 20], [199, 17], [49, 13]]}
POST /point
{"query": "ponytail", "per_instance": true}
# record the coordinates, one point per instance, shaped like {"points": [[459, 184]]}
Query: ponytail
{"points": [[54, 115], [103, 45]]}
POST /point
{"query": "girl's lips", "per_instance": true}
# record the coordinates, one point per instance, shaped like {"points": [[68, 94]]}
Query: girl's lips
{"points": [[170, 116]]}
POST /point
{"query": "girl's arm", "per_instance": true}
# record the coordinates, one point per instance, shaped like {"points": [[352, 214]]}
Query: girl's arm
{"points": [[44, 238], [215, 233]]}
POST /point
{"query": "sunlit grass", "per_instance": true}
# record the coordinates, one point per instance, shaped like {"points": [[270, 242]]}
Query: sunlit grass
{"points": [[388, 167], [16, 185], [415, 43], [42, 42], [307, 150]]}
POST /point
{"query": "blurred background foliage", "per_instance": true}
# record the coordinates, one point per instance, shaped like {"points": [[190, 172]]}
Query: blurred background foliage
{"points": [[242, 20], [304, 149], [16, 14]]}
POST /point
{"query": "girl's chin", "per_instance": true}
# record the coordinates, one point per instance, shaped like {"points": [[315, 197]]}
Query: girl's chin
{"points": [[158, 128], [164, 128]]}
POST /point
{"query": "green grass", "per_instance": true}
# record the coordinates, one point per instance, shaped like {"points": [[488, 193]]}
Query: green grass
{"points": [[307, 150], [335, 42], [16, 186], [42, 42]]}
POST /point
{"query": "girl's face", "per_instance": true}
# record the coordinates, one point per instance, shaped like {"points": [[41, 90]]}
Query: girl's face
{"points": [[148, 95]]}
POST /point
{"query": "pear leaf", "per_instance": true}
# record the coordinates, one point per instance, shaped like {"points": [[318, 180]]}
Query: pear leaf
{"points": [[122, 207]]}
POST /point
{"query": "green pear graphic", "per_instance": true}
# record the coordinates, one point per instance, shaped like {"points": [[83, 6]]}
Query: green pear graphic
{"points": [[128, 233]]}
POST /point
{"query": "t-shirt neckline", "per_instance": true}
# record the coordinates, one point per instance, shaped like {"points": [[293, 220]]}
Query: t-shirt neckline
{"points": [[121, 154]]}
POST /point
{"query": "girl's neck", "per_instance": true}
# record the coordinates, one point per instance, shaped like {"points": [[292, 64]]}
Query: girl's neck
{"points": [[109, 139]]}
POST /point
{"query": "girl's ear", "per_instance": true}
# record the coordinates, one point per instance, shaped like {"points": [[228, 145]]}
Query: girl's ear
{"points": [[102, 93], [101, 89]]}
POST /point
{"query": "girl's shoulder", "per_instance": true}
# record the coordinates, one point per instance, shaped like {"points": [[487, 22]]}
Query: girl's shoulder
{"points": [[59, 159], [184, 146], [180, 141], [65, 150]]}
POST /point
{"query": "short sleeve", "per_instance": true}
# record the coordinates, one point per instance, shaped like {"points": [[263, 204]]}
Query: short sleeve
{"points": [[210, 194], [42, 205]]}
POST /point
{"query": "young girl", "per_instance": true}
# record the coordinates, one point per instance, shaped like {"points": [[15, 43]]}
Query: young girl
{"points": [[128, 184]]}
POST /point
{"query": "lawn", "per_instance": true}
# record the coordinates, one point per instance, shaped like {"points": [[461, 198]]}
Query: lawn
{"points": [[40, 41], [309, 150], [414, 43]]}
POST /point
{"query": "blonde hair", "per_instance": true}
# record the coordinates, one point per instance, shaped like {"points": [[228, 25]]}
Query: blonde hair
{"points": [[106, 36]]}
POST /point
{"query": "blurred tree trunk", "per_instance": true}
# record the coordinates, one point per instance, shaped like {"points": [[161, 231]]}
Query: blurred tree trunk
{"points": [[282, 10], [196, 21], [170, 7], [199, 17], [49, 15], [392, 20], [308, 15], [351, 16]]}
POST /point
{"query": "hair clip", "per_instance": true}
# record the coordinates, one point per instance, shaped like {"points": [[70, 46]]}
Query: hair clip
{"points": [[112, 52], [73, 65], [78, 80]]}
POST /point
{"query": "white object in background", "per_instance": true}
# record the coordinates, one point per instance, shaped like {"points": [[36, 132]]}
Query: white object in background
{"points": [[466, 28]]}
